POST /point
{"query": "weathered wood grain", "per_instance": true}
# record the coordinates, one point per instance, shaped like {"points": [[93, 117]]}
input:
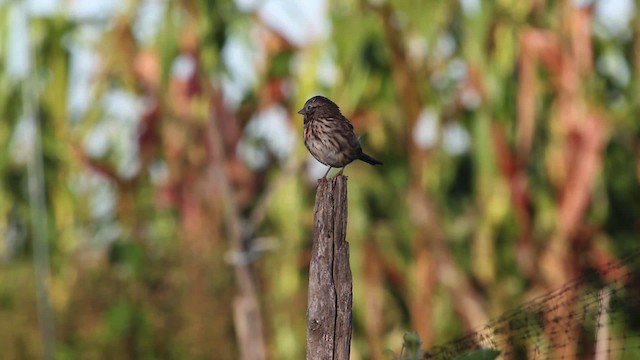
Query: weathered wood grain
{"points": [[330, 283]]}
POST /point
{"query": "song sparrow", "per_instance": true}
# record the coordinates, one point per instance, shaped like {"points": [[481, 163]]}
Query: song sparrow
{"points": [[329, 135]]}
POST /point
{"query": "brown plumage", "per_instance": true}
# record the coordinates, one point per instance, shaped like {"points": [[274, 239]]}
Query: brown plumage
{"points": [[329, 135]]}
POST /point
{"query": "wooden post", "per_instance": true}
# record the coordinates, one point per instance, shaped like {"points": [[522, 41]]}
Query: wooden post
{"points": [[330, 297]]}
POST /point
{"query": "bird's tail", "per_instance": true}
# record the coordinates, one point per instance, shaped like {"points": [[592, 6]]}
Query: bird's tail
{"points": [[368, 159]]}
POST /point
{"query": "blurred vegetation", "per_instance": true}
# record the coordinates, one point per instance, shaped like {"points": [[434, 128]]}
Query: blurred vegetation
{"points": [[179, 228]]}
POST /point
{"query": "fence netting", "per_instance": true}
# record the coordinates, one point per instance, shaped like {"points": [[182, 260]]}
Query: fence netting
{"points": [[596, 316]]}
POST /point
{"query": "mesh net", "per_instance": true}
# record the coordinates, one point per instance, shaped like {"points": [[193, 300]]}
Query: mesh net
{"points": [[596, 316]]}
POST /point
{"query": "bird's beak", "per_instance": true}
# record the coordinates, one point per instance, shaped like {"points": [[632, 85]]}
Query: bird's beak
{"points": [[301, 111]]}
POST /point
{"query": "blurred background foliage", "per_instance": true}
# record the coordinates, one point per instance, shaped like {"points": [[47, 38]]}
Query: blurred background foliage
{"points": [[152, 169]]}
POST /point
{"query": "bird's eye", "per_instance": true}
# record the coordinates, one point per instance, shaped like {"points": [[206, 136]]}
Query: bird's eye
{"points": [[308, 107]]}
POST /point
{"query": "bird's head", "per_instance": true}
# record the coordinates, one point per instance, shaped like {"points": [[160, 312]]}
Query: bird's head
{"points": [[316, 103]]}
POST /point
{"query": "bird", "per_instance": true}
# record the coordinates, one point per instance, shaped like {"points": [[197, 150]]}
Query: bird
{"points": [[329, 135]]}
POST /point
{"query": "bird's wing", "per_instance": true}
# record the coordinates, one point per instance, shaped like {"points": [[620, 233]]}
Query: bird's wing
{"points": [[342, 120], [347, 128]]}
